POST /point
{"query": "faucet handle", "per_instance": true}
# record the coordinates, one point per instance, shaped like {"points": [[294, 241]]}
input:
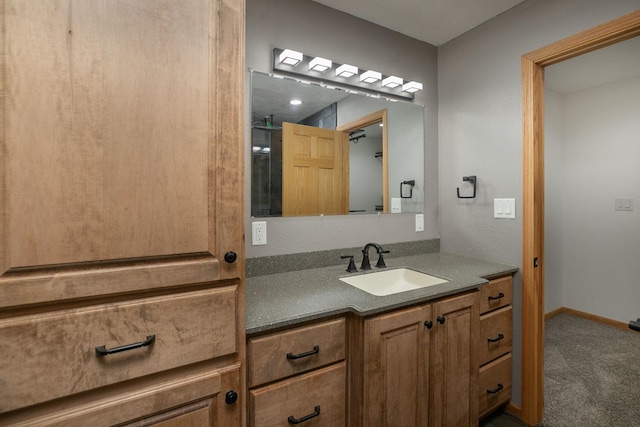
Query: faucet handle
{"points": [[380, 263], [352, 265]]}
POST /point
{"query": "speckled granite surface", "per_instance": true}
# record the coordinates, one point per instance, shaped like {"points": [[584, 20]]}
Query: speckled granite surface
{"points": [[285, 299]]}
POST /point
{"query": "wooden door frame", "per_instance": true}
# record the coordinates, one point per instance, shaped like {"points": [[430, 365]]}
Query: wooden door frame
{"points": [[533, 65], [368, 120]]}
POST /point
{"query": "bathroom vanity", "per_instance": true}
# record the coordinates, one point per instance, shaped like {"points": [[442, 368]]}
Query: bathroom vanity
{"points": [[320, 348]]}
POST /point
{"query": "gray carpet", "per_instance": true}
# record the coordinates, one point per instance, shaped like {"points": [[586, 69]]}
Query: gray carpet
{"points": [[592, 376]]}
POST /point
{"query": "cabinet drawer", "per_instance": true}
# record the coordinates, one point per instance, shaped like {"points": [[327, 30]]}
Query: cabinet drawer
{"points": [[497, 293], [188, 398], [55, 354], [320, 392], [494, 384], [495, 334], [279, 355]]}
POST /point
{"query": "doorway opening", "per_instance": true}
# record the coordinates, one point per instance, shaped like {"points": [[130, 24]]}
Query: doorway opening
{"points": [[352, 129], [533, 65]]}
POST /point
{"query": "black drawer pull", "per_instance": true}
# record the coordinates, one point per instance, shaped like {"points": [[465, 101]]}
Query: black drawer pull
{"points": [[291, 356], [500, 336], [315, 413], [441, 319], [495, 390], [102, 351], [500, 295]]}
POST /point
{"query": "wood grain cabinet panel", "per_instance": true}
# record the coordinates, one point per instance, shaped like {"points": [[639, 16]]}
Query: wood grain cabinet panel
{"points": [[497, 293], [191, 400], [121, 179], [454, 379], [495, 344], [317, 396], [52, 355], [283, 354], [496, 334], [396, 368], [494, 384]]}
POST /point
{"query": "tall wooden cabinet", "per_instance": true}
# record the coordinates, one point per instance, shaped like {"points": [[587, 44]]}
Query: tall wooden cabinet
{"points": [[121, 233]]}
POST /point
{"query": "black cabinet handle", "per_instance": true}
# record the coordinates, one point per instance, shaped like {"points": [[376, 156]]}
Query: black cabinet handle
{"points": [[102, 351], [315, 413], [441, 320], [500, 295], [291, 356], [500, 336], [428, 324], [495, 390], [230, 397], [230, 257]]}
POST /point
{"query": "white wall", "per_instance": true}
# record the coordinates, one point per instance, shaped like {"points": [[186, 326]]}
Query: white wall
{"points": [[480, 126], [553, 200], [600, 246], [316, 29], [405, 150], [365, 174]]}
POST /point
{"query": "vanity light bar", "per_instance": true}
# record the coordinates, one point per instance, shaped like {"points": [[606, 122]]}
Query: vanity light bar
{"points": [[412, 87], [346, 71], [370, 76], [324, 70], [320, 64], [392, 82], [291, 57]]}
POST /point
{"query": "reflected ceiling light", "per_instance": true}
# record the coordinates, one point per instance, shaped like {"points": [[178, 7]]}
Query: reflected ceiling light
{"points": [[370, 76], [319, 64], [412, 87], [392, 82], [290, 57], [346, 71], [295, 102]]}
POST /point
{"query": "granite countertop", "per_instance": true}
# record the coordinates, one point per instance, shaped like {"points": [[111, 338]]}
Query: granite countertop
{"points": [[285, 299]]}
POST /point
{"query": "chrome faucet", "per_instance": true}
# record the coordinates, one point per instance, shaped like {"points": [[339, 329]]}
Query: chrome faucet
{"points": [[365, 256]]}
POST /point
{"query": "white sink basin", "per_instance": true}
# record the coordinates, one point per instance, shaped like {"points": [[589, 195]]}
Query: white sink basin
{"points": [[389, 282]]}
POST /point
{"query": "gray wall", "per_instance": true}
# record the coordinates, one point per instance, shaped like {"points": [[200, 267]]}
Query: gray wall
{"points": [[480, 126], [599, 271], [318, 30], [553, 205]]}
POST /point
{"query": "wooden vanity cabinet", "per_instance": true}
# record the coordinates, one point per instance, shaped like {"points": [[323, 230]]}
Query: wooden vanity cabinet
{"points": [[416, 366], [298, 375], [121, 231], [495, 344]]}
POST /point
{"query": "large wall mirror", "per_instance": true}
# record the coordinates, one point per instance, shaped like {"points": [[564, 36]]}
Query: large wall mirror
{"points": [[318, 149]]}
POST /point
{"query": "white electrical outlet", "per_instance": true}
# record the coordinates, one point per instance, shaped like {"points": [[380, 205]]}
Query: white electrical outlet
{"points": [[259, 233], [419, 222]]}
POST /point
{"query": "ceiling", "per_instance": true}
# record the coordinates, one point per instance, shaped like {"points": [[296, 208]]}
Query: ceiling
{"points": [[438, 21], [432, 21]]}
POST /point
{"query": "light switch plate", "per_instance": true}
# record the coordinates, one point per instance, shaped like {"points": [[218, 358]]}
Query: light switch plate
{"points": [[419, 222], [396, 205], [624, 204], [504, 208]]}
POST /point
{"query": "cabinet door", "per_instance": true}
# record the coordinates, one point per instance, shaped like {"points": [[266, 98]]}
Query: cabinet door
{"points": [[454, 362], [121, 145], [396, 361]]}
